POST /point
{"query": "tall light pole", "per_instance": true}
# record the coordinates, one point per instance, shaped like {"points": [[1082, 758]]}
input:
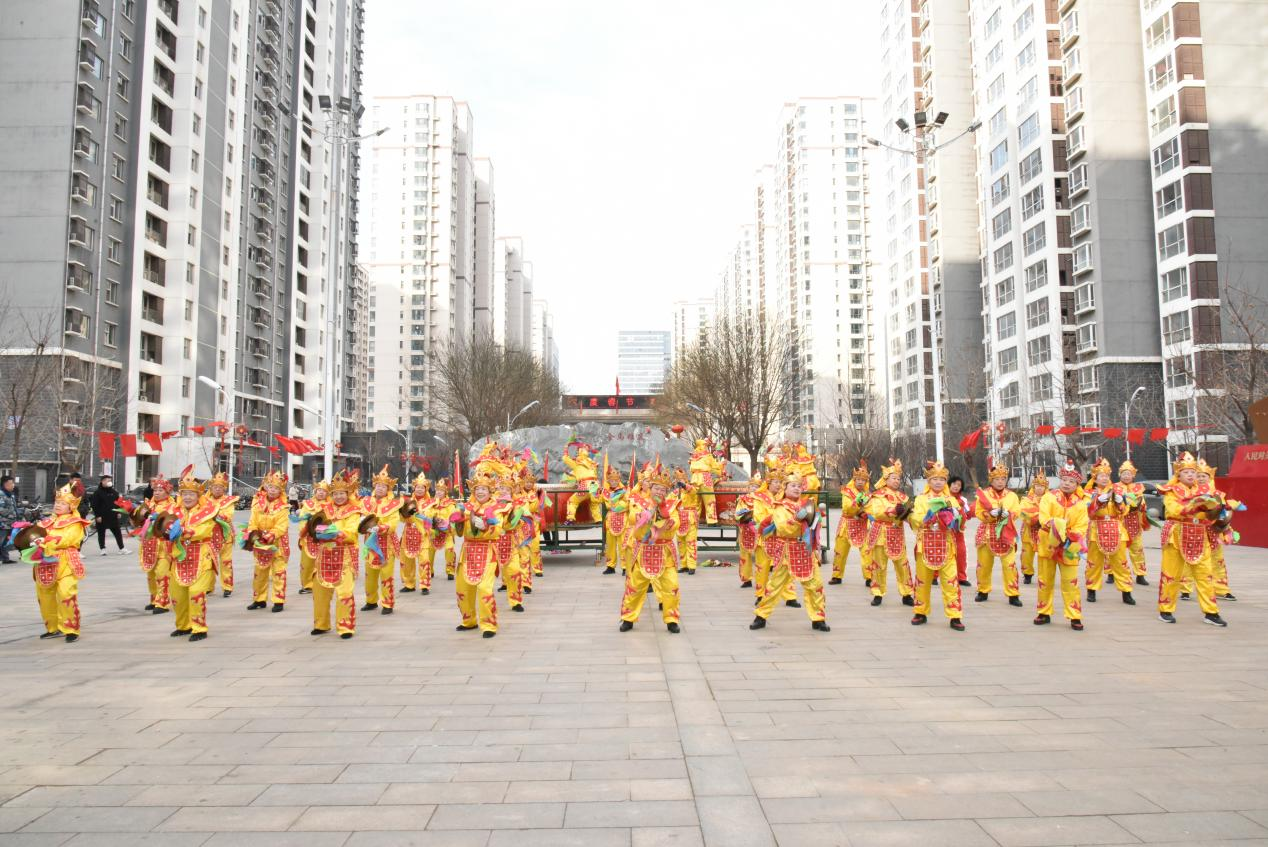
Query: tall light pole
{"points": [[1127, 418], [924, 146], [407, 437], [510, 420], [342, 117], [224, 395]]}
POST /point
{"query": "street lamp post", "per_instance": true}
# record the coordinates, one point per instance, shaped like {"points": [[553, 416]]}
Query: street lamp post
{"points": [[923, 147], [224, 395], [510, 420], [408, 438], [1127, 418]]}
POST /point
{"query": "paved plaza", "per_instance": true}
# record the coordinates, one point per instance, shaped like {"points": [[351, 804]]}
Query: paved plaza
{"points": [[563, 731]]}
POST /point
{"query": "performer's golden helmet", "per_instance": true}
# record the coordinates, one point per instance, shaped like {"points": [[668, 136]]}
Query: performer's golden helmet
{"points": [[218, 478], [1070, 471], [997, 469], [895, 466], [161, 482], [936, 470], [1039, 479], [347, 480], [70, 494], [659, 475], [1102, 466], [383, 478], [1185, 462], [323, 487], [861, 474], [1128, 467], [189, 482], [1204, 467], [482, 479], [276, 478], [421, 481], [702, 444]]}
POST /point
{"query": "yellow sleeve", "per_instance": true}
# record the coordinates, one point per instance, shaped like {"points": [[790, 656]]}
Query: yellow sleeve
{"points": [[256, 521], [67, 539], [347, 527], [201, 531], [1013, 504], [1173, 506], [979, 512], [919, 508], [878, 507], [1047, 512], [1076, 521], [392, 519]]}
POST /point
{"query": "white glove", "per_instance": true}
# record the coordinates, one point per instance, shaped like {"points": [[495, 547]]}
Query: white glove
{"points": [[803, 513], [998, 512], [1118, 498], [1104, 498], [478, 523]]}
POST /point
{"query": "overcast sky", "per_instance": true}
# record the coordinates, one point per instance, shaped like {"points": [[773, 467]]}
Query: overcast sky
{"points": [[624, 136]]}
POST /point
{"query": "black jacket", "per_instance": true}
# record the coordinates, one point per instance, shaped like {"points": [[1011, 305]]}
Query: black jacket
{"points": [[101, 501]]}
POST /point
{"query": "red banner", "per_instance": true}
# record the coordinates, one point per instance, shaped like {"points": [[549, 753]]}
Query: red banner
{"points": [[154, 440], [1046, 429], [1136, 436], [127, 445], [969, 441], [1158, 434], [105, 445]]}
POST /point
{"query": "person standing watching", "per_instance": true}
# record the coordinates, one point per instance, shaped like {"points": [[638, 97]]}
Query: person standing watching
{"points": [[8, 515], [102, 503]]}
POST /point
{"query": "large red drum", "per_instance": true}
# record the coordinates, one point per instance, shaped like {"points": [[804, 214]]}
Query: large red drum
{"points": [[556, 511]]}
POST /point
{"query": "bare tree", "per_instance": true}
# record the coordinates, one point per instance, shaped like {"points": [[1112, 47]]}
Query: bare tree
{"points": [[30, 379], [483, 384], [852, 433], [93, 398], [1234, 376]]}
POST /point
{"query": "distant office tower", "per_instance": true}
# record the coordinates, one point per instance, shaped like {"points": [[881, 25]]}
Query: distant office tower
{"points": [[485, 247], [544, 347], [642, 360], [692, 320], [512, 294], [738, 293]]}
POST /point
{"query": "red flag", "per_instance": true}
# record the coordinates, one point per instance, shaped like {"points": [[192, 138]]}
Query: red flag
{"points": [[198, 430], [170, 434], [457, 473], [219, 424], [1067, 430], [1046, 429], [313, 446], [154, 440], [1089, 430], [127, 445], [969, 441], [276, 451], [618, 386], [1158, 434], [105, 445], [1136, 435], [1113, 432], [251, 442], [287, 444]]}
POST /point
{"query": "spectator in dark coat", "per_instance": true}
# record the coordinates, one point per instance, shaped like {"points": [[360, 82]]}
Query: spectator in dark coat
{"points": [[8, 515], [104, 514]]}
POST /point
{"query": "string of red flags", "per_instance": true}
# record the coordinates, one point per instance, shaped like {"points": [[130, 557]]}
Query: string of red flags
{"points": [[129, 442], [1135, 435]]}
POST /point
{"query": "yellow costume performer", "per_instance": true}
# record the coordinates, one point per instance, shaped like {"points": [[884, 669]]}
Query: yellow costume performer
{"points": [[222, 539], [707, 470], [1030, 525], [653, 562], [506, 548], [1191, 510], [416, 539], [380, 564], [746, 530], [689, 529], [1135, 519], [996, 510], [933, 516], [616, 504], [764, 503], [193, 564], [1063, 526], [1107, 539], [443, 533], [481, 524], [584, 473], [312, 507], [1218, 534], [801, 463], [155, 550], [335, 549], [268, 534], [888, 508], [790, 533], [57, 568], [852, 531]]}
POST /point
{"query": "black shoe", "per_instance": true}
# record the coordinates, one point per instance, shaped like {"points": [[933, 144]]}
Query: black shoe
{"points": [[149, 608], [501, 588], [198, 636], [1041, 620], [691, 572], [682, 570], [836, 580], [909, 600], [673, 627], [1227, 597], [369, 607], [759, 622], [1128, 598], [488, 633], [256, 605], [868, 583], [464, 628], [449, 577], [310, 591], [1091, 595], [748, 583], [1213, 619], [957, 624], [1026, 578], [159, 610], [72, 637], [424, 591], [963, 583], [609, 570], [177, 633], [626, 626], [792, 603], [1076, 625], [528, 589], [822, 626], [1140, 580], [1184, 595], [319, 632], [518, 607], [981, 597], [405, 589], [1014, 600], [345, 636], [757, 601], [919, 620], [1166, 617], [279, 607], [876, 601], [386, 610], [229, 593], [934, 581], [54, 634]]}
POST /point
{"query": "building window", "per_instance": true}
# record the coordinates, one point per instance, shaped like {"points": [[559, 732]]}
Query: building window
{"points": [[1168, 199], [1082, 258], [1081, 218], [1166, 156], [1085, 339], [1039, 350], [1175, 284], [1028, 92], [1037, 313], [1041, 387], [1002, 224], [1036, 275], [1026, 57], [999, 190], [1032, 203], [1175, 328], [1008, 360], [1163, 116], [1028, 132], [1171, 242], [1010, 396], [999, 121], [992, 23], [1004, 292], [1003, 257], [1159, 31], [999, 156], [1034, 239], [1006, 326], [1031, 166], [1023, 22]]}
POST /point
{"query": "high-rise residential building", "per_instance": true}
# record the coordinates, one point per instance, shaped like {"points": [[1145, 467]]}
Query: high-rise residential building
{"points": [[203, 214], [512, 294], [357, 339], [419, 249], [739, 294], [692, 321], [925, 242], [544, 347], [485, 245], [642, 360]]}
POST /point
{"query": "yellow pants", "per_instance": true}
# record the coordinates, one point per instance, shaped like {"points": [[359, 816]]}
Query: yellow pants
{"points": [[59, 602], [345, 603], [762, 576], [574, 503], [1027, 556], [612, 552], [1098, 562], [226, 567], [269, 584], [417, 572], [1136, 554], [1219, 570], [986, 564], [1173, 570], [664, 585], [451, 556], [477, 601], [841, 552], [710, 503], [535, 552], [880, 571], [781, 578], [158, 581], [1069, 577], [952, 605], [748, 561], [191, 600], [513, 577], [687, 541]]}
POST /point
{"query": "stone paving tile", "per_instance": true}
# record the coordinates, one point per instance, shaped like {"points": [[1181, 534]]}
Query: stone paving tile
{"points": [[499, 816], [666, 836], [630, 813], [610, 837], [101, 819], [433, 838], [197, 795], [1047, 831], [241, 819], [1190, 826], [333, 817]]}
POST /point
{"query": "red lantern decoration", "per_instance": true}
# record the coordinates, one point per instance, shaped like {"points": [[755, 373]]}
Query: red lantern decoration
{"points": [[677, 429]]}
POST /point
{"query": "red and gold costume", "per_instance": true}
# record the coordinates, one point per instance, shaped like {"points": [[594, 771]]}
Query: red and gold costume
{"points": [[444, 533], [746, 530], [1063, 527], [653, 562], [58, 568], [933, 515], [1135, 519], [584, 473], [793, 554], [764, 502], [1218, 535], [888, 508], [417, 552], [380, 570], [315, 505], [335, 549], [1191, 511], [269, 533], [1107, 538], [1030, 524], [852, 531], [155, 550], [707, 470], [222, 539], [689, 528], [481, 525], [616, 504], [193, 561], [997, 508], [507, 550]]}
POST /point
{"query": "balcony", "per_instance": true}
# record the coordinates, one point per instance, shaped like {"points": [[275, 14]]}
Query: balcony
{"points": [[82, 190], [170, 9], [79, 278], [156, 230], [258, 316], [85, 147], [76, 323], [1070, 31], [154, 269], [85, 102], [258, 347], [164, 79], [81, 235], [260, 287], [165, 42]]}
